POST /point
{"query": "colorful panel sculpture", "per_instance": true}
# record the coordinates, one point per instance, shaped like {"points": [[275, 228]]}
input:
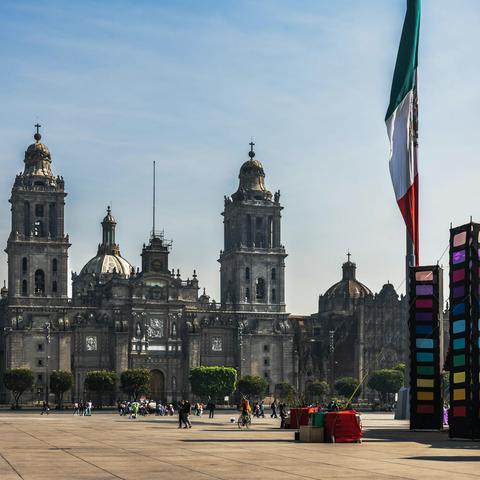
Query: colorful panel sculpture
{"points": [[426, 343], [464, 348]]}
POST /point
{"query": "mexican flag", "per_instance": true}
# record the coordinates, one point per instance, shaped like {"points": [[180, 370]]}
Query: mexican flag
{"points": [[402, 124]]}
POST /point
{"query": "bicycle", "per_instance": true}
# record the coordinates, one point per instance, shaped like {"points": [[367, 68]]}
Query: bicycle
{"points": [[244, 420]]}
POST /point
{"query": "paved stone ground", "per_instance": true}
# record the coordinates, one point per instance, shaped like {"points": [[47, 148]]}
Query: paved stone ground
{"points": [[106, 446]]}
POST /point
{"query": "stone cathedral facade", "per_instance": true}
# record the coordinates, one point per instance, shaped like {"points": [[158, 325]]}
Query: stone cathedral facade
{"points": [[121, 317]]}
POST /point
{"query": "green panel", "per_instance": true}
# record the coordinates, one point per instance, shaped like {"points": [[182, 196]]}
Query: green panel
{"points": [[424, 370], [458, 360]]}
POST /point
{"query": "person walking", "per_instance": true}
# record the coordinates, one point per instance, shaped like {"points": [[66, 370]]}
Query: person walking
{"points": [[76, 410], [261, 407], [187, 410], [88, 410], [274, 409], [180, 413], [45, 409]]}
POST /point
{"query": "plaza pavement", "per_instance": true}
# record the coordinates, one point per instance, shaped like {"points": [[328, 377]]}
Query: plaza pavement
{"points": [[106, 446]]}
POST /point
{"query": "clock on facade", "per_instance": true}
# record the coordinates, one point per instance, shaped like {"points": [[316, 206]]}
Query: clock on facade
{"points": [[156, 265]]}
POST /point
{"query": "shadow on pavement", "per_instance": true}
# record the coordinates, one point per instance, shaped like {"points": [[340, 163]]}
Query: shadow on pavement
{"points": [[237, 440], [443, 458], [433, 439]]}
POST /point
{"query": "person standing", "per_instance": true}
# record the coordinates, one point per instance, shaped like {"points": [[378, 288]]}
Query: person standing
{"points": [[211, 408], [283, 414], [76, 410], [261, 409], [274, 409]]}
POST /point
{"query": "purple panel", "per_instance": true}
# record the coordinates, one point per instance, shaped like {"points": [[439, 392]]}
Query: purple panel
{"points": [[458, 292], [424, 303], [458, 257], [424, 289], [424, 316]]}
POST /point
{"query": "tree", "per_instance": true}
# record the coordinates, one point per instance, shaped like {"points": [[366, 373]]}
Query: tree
{"points": [[136, 382], [284, 391], [100, 381], [386, 382], [60, 382], [317, 390], [215, 382], [347, 386], [18, 380], [252, 386]]}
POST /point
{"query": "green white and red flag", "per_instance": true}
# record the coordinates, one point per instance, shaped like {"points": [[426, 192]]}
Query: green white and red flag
{"points": [[402, 124]]}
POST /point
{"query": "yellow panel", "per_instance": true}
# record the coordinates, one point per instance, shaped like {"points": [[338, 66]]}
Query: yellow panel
{"points": [[424, 395], [423, 382], [459, 377], [459, 394]]}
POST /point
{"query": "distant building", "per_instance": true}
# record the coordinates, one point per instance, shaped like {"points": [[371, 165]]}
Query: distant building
{"points": [[354, 331]]}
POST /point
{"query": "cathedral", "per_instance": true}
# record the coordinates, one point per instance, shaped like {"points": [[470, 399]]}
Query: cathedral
{"points": [[119, 317]]}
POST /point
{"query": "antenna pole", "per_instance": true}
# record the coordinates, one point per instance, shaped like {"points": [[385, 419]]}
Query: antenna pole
{"points": [[153, 231]]}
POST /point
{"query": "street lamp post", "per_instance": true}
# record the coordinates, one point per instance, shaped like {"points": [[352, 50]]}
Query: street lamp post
{"points": [[48, 337], [331, 348]]}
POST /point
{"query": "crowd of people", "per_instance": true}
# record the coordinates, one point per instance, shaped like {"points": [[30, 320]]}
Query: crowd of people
{"points": [[82, 408]]}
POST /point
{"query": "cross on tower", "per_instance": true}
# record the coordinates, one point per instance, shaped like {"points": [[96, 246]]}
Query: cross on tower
{"points": [[251, 153], [37, 136], [349, 255]]}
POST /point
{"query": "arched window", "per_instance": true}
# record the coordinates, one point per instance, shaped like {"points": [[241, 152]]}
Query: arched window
{"points": [[274, 274], [24, 265], [260, 289], [54, 286], [247, 274], [24, 288], [39, 282], [54, 265], [274, 295], [247, 294], [174, 329]]}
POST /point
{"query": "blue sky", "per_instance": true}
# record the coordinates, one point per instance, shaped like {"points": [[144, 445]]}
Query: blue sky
{"points": [[117, 85]]}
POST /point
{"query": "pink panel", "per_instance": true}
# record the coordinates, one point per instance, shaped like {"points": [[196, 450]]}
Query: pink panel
{"points": [[426, 276], [459, 239]]}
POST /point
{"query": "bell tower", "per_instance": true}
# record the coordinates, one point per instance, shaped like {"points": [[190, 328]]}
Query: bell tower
{"points": [[37, 247], [252, 263]]}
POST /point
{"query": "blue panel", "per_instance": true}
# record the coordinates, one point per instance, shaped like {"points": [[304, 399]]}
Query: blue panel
{"points": [[458, 309], [424, 329], [459, 326], [458, 343], [424, 357], [424, 343]]}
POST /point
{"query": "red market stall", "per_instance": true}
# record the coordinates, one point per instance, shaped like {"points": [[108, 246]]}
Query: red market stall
{"points": [[343, 427], [301, 416]]}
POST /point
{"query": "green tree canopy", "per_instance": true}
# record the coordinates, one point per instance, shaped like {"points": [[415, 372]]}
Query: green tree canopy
{"points": [[347, 386], [385, 382], [100, 382], [213, 382], [285, 391], [252, 386], [317, 389], [60, 382], [136, 382], [17, 381]]}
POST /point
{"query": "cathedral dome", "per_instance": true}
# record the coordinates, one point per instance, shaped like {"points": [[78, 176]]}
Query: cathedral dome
{"points": [[348, 286], [37, 158], [104, 263], [108, 258]]}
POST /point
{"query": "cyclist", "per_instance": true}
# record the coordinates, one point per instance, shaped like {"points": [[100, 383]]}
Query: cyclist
{"points": [[245, 418]]}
